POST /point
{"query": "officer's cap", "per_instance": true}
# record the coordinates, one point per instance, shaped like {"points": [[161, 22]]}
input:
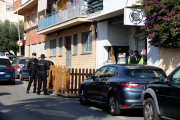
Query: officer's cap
{"points": [[34, 54], [42, 56]]}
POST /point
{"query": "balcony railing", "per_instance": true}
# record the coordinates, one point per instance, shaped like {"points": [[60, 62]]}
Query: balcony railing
{"points": [[66, 13]]}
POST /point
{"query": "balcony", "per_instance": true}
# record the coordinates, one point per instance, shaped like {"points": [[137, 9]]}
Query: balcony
{"points": [[68, 16], [26, 5]]}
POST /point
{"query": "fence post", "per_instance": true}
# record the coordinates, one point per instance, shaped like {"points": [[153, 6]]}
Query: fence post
{"points": [[67, 80]]}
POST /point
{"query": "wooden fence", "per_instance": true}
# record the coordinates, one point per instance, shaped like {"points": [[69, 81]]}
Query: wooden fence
{"points": [[66, 80]]}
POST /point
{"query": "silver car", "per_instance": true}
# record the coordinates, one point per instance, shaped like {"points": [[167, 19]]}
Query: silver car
{"points": [[18, 64]]}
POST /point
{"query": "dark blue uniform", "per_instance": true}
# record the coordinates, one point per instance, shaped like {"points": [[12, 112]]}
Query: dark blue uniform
{"points": [[43, 66], [32, 67]]}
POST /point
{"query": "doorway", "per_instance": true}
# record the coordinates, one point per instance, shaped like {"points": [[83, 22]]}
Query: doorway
{"points": [[68, 52], [115, 50]]}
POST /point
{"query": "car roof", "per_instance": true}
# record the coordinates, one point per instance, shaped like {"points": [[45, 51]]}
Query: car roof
{"points": [[23, 58], [135, 66], [4, 57]]}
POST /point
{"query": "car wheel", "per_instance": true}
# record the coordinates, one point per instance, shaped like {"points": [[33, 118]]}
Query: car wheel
{"points": [[150, 111], [82, 97], [20, 77], [114, 106]]}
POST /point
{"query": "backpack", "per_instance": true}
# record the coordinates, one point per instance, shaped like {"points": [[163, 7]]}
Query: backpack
{"points": [[133, 60]]}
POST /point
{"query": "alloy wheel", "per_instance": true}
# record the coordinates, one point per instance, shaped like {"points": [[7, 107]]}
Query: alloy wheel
{"points": [[149, 112], [111, 104]]}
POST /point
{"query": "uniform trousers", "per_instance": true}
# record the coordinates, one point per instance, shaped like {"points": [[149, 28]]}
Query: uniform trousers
{"points": [[32, 77], [42, 78]]}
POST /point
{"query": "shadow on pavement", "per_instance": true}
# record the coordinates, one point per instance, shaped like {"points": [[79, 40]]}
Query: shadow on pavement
{"points": [[8, 83], [5, 93]]}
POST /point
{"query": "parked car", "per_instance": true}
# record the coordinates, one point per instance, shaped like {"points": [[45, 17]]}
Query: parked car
{"points": [[161, 98], [24, 72], [12, 58], [18, 63], [6, 70], [118, 86]]}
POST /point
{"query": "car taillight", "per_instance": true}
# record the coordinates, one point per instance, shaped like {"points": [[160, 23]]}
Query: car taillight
{"points": [[131, 85], [18, 67], [126, 106], [10, 67]]}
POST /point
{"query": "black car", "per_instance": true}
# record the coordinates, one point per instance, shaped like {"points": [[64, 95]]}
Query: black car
{"points": [[118, 86], [161, 98]]}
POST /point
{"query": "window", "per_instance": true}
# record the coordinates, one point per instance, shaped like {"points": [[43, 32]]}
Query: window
{"points": [[14, 62], [75, 44], [41, 14], [111, 72], [53, 48], [34, 48], [33, 20], [176, 77], [27, 22], [45, 48], [12, 58], [60, 46], [50, 7], [23, 61], [87, 42], [100, 73], [4, 62], [145, 73], [39, 50], [9, 8], [29, 50]]}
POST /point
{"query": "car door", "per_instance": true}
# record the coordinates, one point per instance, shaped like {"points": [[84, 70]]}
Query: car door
{"points": [[107, 83], [92, 87], [175, 93], [168, 95]]}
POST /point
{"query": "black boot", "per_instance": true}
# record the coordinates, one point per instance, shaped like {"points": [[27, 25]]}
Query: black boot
{"points": [[38, 93], [46, 94], [34, 91], [27, 92]]}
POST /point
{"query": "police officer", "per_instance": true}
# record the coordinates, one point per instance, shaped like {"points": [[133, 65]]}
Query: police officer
{"points": [[122, 59], [138, 57], [131, 59], [32, 67], [143, 60], [110, 61], [43, 66]]}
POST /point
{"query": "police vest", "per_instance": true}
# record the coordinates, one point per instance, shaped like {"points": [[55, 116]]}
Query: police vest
{"points": [[141, 61], [122, 60], [34, 64], [109, 62], [42, 66]]}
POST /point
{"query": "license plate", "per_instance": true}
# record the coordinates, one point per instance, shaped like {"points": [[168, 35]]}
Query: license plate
{"points": [[1, 73]]}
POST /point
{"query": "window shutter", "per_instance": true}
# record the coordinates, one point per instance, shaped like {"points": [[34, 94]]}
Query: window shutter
{"points": [[75, 44], [60, 46], [90, 42], [82, 42]]}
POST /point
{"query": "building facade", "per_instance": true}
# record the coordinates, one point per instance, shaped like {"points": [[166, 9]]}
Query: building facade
{"points": [[60, 30], [6, 9], [118, 29]]}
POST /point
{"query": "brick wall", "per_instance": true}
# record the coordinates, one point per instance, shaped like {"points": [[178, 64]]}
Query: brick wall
{"points": [[17, 3], [77, 61]]}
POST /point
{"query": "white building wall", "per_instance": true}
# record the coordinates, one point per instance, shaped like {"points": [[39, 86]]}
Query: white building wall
{"points": [[112, 35], [8, 15], [152, 55]]}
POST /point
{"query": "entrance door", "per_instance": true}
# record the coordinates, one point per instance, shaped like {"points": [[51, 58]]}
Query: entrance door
{"points": [[115, 50], [68, 52]]}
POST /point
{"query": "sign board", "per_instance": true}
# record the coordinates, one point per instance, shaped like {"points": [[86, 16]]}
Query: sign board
{"points": [[133, 17], [19, 43]]}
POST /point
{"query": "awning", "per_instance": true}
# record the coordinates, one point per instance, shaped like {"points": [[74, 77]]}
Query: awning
{"points": [[42, 5]]}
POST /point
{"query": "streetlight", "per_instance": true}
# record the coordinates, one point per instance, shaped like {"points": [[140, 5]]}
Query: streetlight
{"points": [[18, 23]]}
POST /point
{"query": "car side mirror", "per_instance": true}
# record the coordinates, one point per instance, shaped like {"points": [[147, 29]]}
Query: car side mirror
{"points": [[89, 76]]}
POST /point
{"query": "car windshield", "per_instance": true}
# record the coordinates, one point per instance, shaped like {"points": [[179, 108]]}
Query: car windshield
{"points": [[145, 73], [4, 62], [12, 58], [23, 61]]}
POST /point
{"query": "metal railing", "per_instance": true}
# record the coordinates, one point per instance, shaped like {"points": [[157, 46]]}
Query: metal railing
{"points": [[66, 13]]}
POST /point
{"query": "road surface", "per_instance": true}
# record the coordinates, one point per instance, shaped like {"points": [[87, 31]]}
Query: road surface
{"points": [[15, 104]]}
